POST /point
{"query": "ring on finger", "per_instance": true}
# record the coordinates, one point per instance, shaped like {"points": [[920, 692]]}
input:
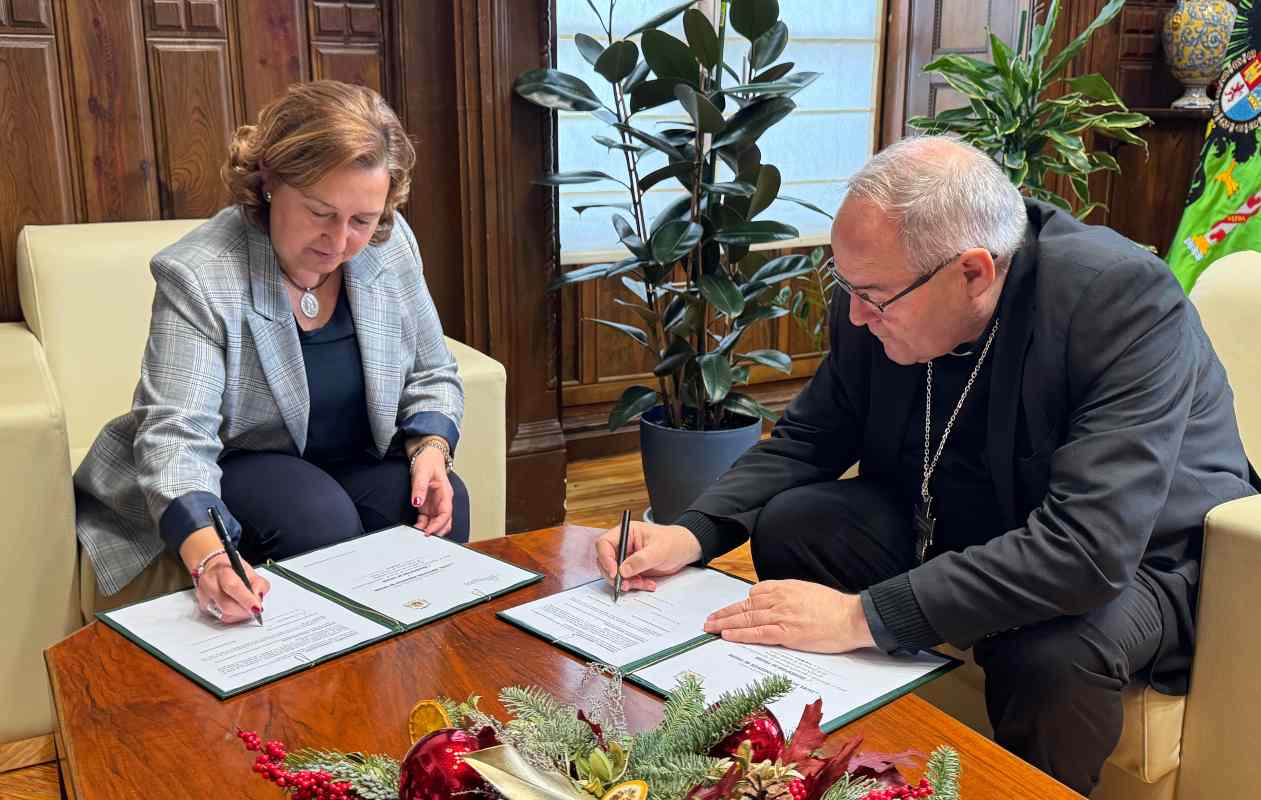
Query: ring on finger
{"points": [[213, 609]]}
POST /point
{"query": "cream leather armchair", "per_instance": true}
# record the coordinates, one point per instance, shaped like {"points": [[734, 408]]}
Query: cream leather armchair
{"points": [[1203, 745], [86, 293]]}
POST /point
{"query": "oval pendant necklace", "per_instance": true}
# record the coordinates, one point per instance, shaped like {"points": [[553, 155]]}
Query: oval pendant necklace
{"points": [[309, 304]]}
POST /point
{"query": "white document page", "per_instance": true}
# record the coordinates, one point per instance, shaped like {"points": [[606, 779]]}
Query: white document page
{"points": [[405, 575], [298, 627], [640, 624], [845, 681]]}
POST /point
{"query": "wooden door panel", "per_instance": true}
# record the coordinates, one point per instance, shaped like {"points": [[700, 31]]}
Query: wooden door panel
{"points": [[193, 116], [38, 184], [111, 105], [273, 52]]}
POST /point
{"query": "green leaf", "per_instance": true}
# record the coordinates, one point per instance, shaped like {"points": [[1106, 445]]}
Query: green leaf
{"points": [[680, 208], [716, 374], [663, 17], [613, 144], [629, 330], [782, 268], [1074, 47], [653, 93], [769, 46], [636, 77], [773, 74], [1041, 39], [655, 142], [756, 313], [701, 37], [722, 294], [752, 18], [734, 188], [961, 66], [786, 87], [589, 47], [582, 176], [769, 358], [640, 310], [633, 402], [805, 204], [675, 356], [705, 115], [758, 232], [618, 61], [1088, 208], [674, 239], [627, 236], [579, 275], [623, 206], [676, 170], [1002, 56], [552, 88], [669, 57], [747, 406], [752, 121], [1100, 160], [768, 181], [1096, 87], [637, 288]]}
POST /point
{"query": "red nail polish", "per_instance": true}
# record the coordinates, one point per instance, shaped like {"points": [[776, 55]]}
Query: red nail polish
{"points": [[256, 609], [416, 502]]}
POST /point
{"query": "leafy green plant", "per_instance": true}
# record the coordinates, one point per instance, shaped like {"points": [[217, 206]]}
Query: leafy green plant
{"points": [[694, 286], [1013, 115]]}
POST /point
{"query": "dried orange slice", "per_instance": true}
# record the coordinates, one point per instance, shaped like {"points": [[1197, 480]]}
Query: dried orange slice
{"points": [[428, 716], [627, 790]]}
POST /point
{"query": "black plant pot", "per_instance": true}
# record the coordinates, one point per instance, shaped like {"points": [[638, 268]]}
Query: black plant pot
{"points": [[680, 464]]}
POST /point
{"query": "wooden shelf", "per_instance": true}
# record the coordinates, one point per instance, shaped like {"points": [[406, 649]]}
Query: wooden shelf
{"points": [[1164, 114]]}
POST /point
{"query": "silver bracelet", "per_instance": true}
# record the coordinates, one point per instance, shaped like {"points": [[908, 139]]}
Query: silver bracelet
{"points": [[200, 569], [440, 446]]}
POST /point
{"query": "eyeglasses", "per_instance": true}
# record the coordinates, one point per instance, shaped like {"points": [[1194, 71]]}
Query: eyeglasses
{"points": [[881, 305]]}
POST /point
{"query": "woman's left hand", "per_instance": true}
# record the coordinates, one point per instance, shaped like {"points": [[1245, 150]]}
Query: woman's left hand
{"points": [[432, 494]]}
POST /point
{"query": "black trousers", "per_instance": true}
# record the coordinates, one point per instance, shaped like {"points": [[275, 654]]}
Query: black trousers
{"points": [[287, 505], [1052, 690]]}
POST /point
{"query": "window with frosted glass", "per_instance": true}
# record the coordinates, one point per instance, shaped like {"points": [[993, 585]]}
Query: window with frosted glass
{"points": [[828, 136]]}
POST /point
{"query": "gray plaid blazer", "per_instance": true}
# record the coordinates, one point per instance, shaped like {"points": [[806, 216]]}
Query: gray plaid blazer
{"points": [[223, 370]]}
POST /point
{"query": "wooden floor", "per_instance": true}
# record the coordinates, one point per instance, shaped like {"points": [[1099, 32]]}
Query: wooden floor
{"points": [[597, 492]]}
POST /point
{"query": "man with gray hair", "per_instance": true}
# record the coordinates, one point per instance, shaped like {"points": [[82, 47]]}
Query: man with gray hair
{"points": [[1041, 426]]}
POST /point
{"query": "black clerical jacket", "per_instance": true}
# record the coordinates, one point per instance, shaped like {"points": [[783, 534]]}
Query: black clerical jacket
{"points": [[1111, 433]]}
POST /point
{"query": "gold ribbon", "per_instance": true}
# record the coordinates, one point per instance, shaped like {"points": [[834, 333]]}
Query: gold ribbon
{"points": [[505, 769]]}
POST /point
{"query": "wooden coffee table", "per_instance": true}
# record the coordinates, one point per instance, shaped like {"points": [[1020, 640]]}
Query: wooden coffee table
{"points": [[129, 726]]}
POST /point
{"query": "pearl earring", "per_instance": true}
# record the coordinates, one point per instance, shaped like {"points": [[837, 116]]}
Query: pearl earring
{"points": [[267, 196]]}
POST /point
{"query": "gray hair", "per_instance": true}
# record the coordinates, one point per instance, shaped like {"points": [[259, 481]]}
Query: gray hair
{"points": [[946, 196]]}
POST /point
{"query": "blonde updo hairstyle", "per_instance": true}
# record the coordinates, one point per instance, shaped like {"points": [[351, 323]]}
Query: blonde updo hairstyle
{"points": [[314, 129]]}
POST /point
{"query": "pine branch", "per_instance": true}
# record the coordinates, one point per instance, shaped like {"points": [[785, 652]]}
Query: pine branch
{"points": [[851, 788], [942, 771], [674, 776], [546, 732], [372, 777]]}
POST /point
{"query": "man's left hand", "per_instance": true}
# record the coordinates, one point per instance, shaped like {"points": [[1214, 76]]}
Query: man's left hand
{"points": [[795, 614]]}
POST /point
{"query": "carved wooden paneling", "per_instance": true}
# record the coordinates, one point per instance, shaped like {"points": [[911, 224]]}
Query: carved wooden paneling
{"points": [[26, 16], [1142, 76], [273, 50], [193, 116], [37, 183], [338, 20], [111, 104], [199, 18], [427, 102], [356, 63]]}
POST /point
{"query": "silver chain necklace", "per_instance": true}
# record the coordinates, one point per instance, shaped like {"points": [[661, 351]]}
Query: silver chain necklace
{"points": [[924, 521], [308, 303]]}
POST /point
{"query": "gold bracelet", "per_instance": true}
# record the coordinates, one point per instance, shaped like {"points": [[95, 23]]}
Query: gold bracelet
{"points": [[436, 444]]}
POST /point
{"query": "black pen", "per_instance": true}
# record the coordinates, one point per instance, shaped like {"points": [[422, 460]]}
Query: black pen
{"points": [[234, 558], [621, 554]]}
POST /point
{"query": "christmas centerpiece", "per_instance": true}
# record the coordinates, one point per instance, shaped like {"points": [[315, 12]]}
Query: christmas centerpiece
{"points": [[734, 749]]}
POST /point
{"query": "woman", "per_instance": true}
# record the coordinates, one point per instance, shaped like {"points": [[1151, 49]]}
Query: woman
{"points": [[295, 378]]}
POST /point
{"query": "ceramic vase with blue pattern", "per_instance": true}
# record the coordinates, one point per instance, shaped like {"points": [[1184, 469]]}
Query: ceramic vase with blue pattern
{"points": [[1195, 37]]}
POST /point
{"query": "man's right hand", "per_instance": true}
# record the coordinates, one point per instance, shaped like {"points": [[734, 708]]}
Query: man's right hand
{"points": [[651, 551]]}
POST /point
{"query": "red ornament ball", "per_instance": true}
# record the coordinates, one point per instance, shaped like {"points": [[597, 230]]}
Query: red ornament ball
{"points": [[433, 769], [762, 731]]}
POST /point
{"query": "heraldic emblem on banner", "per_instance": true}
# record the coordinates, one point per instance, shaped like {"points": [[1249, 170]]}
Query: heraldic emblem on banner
{"points": [[1225, 194]]}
